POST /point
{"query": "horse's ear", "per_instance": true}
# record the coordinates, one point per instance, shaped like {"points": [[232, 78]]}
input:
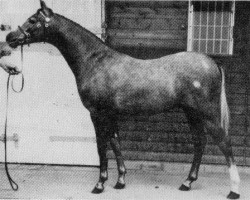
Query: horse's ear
{"points": [[46, 9], [43, 5]]}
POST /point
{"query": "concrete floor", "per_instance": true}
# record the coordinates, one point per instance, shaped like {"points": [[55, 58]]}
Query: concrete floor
{"points": [[64, 182]]}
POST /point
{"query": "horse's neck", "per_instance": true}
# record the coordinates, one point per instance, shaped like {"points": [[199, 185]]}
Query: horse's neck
{"points": [[75, 43]]}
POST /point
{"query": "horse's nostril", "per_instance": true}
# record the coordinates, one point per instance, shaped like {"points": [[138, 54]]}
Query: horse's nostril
{"points": [[9, 37]]}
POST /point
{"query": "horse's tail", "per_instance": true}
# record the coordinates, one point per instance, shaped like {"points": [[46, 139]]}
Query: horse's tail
{"points": [[223, 104]]}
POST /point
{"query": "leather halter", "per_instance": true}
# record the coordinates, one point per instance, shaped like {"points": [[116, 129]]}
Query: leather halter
{"points": [[26, 34]]}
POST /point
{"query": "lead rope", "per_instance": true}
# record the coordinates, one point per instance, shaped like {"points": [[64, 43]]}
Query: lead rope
{"points": [[12, 85], [13, 184]]}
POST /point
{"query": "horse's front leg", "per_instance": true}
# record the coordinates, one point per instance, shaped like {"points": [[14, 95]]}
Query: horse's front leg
{"points": [[120, 163], [112, 127], [102, 139], [115, 144]]}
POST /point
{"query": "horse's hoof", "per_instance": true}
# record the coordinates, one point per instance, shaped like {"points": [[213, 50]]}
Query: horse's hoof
{"points": [[184, 188], [119, 185], [233, 195], [97, 190]]}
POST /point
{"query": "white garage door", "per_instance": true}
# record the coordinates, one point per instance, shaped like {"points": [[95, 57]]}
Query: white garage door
{"points": [[47, 122]]}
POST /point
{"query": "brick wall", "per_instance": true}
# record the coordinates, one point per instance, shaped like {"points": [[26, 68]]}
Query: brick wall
{"points": [[166, 137]]}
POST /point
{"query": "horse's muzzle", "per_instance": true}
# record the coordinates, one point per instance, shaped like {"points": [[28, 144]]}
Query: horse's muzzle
{"points": [[14, 39]]}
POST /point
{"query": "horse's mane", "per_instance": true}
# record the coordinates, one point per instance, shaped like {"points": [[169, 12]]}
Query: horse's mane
{"points": [[86, 31]]}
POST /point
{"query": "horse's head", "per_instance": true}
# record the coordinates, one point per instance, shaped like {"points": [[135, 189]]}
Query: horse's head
{"points": [[35, 29]]}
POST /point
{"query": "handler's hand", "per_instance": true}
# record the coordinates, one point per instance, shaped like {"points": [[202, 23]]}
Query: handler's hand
{"points": [[5, 52], [10, 68]]}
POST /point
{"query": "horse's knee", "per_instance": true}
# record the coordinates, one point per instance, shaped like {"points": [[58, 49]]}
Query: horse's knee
{"points": [[200, 141], [115, 145]]}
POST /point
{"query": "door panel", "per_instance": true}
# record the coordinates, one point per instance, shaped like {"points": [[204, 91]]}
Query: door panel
{"points": [[47, 122]]}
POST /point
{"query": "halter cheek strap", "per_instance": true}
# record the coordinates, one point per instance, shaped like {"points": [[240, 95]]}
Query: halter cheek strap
{"points": [[26, 34], [47, 19], [46, 25]]}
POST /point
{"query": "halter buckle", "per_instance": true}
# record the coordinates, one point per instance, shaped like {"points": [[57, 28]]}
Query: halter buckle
{"points": [[47, 19]]}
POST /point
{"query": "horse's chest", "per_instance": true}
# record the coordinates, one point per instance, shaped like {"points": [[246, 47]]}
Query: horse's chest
{"points": [[93, 92]]}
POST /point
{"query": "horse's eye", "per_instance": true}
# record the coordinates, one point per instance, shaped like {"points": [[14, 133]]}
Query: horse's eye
{"points": [[32, 20]]}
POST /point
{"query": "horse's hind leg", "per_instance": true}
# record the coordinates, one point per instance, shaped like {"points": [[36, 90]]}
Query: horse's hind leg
{"points": [[102, 138], [224, 142], [115, 144], [199, 141]]}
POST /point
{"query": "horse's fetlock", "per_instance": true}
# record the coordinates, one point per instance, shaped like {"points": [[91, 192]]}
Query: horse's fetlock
{"points": [[193, 178], [103, 179], [122, 170], [103, 176]]}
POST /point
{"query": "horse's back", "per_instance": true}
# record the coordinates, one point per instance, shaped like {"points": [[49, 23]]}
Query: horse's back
{"points": [[179, 62], [190, 66], [191, 61]]}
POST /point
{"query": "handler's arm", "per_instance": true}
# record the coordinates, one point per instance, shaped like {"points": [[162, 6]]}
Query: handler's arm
{"points": [[9, 68], [5, 50]]}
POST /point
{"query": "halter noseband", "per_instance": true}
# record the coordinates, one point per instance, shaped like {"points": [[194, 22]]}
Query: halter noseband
{"points": [[26, 35]]}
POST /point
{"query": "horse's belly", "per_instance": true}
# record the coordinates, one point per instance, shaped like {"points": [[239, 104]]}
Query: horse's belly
{"points": [[143, 103]]}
